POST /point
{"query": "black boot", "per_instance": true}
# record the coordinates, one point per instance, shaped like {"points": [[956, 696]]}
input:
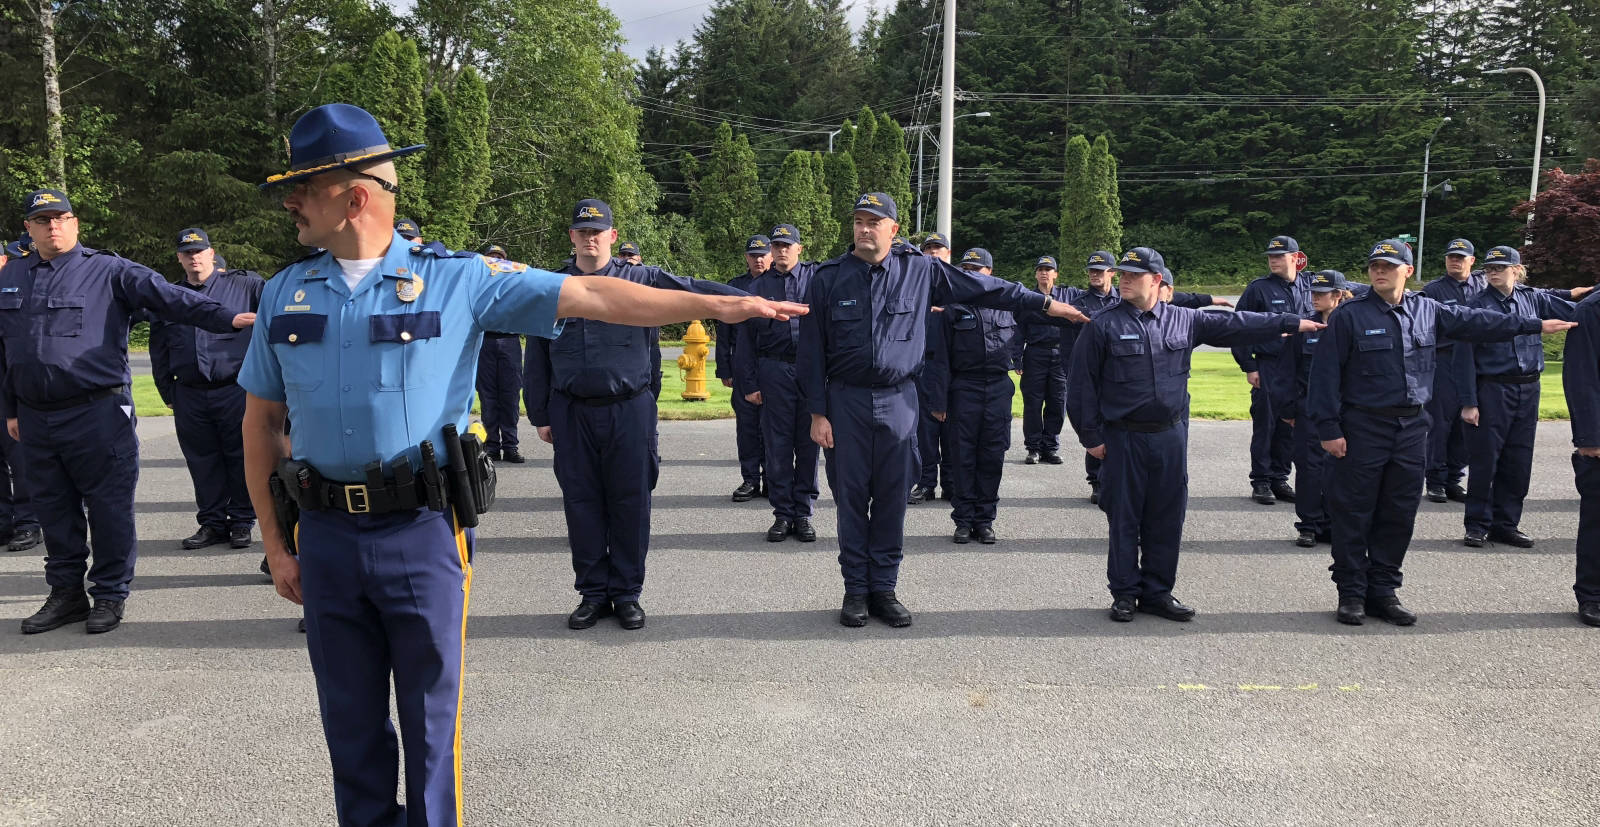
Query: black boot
{"points": [[105, 616], [885, 607], [854, 611], [803, 530], [66, 604]]}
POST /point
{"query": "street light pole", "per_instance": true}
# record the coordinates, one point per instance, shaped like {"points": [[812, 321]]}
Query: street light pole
{"points": [[1422, 220], [1538, 130], [922, 132], [947, 119]]}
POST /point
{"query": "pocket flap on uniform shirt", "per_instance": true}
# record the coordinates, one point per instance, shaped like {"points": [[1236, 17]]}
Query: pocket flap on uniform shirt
{"points": [[405, 327], [298, 329], [846, 312], [964, 320], [900, 306], [64, 301], [1127, 348], [1375, 342], [10, 301]]}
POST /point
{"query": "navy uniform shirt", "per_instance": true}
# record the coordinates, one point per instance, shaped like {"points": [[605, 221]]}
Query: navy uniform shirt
{"points": [[1377, 355], [368, 376], [1270, 294], [1580, 373], [1037, 328], [1133, 365], [1090, 303], [727, 353], [867, 325], [969, 340], [593, 359], [1521, 356], [64, 322], [1446, 290], [1289, 400], [770, 338], [185, 354]]}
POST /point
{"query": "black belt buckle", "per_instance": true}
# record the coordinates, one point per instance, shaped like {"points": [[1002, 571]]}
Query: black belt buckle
{"points": [[356, 500]]}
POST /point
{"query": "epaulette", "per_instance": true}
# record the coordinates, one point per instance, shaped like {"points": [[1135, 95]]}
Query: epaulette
{"points": [[286, 265]]}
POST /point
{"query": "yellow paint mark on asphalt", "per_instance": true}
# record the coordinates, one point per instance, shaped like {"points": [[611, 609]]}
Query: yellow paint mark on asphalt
{"points": [[1354, 687], [1256, 687], [1193, 687], [1306, 687]]}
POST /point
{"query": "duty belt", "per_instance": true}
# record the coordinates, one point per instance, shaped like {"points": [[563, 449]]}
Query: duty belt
{"points": [[779, 357], [1408, 410], [75, 401], [360, 498], [1512, 378], [1142, 427], [211, 386]]}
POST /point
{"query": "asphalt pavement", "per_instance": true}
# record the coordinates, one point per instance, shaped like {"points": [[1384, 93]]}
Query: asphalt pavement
{"points": [[1012, 700]]}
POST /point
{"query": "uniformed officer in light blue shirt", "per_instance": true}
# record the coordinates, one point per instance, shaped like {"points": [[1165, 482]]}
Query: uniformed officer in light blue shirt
{"points": [[370, 345]]}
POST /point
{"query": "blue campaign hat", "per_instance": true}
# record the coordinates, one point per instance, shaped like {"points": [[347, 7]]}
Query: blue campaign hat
{"points": [[408, 229], [1502, 255], [335, 136], [193, 239], [591, 214], [1327, 281], [628, 248], [1460, 247], [43, 201], [978, 256], [1281, 245], [494, 250], [1143, 260], [1101, 260], [786, 234], [758, 245], [1392, 250], [936, 240], [1045, 261], [879, 204]]}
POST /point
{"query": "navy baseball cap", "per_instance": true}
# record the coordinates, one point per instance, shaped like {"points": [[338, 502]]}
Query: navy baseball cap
{"points": [[879, 204], [408, 229], [1392, 250], [193, 239], [935, 240], [786, 234], [1166, 274], [1502, 255], [1282, 244], [1101, 260], [591, 214], [1327, 281], [758, 245], [21, 247], [628, 248], [494, 250], [1460, 247], [336, 136], [1143, 260], [1045, 261], [43, 201], [977, 256]]}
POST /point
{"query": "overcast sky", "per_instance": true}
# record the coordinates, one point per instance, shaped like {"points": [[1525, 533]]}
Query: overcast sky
{"points": [[647, 23]]}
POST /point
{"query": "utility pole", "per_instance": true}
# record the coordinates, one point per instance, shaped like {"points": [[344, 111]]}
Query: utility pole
{"points": [[947, 118], [1538, 131], [1422, 220]]}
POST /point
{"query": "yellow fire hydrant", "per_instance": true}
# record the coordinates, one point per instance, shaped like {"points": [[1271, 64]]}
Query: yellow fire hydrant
{"points": [[693, 363]]}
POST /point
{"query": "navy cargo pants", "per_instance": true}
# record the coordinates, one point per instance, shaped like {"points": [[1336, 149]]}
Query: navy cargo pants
{"points": [[83, 464], [980, 414], [1044, 398], [1586, 477], [16, 508], [934, 453], [605, 461], [386, 599], [1447, 454], [747, 434], [870, 469], [1373, 494], [1145, 495], [1501, 451], [1271, 439], [791, 456], [1312, 468], [208, 421], [499, 389]]}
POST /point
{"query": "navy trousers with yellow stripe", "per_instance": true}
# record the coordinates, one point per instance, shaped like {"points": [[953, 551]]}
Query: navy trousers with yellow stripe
{"points": [[386, 595]]}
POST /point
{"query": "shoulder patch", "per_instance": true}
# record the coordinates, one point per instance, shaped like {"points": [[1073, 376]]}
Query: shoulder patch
{"points": [[500, 265]]}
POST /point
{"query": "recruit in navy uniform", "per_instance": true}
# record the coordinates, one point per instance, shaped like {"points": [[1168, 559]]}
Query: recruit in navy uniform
{"points": [[860, 348], [65, 311], [371, 345]]}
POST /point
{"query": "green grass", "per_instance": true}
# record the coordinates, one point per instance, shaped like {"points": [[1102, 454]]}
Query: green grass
{"points": [[1216, 387]]}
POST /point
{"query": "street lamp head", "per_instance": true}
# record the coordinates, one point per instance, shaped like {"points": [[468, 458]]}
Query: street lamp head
{"points": [[981, 114]]}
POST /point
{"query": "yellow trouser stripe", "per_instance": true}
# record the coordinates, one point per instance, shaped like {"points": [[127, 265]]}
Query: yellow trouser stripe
{"points": [[461, 683]]}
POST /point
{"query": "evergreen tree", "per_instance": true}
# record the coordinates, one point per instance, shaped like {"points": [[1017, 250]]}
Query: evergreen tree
{"points": [[822, 228], [727, 198], [839, 169], [1079, 193], [1103, 228], [461, 169], [894, 163], [789, 195]]}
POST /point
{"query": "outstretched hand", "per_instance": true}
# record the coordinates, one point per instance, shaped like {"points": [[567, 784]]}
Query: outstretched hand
{"points": [[1556, 326], [1308, 326], [754, 307], [1062, 310]]}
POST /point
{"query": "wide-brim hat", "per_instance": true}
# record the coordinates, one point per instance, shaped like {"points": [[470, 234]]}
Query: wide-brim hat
{"points": [[335, 136]]}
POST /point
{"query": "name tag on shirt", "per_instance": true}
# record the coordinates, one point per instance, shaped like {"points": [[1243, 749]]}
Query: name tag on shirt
{"points": [[10, 289], [296, 308], [1313, 341], [848, 303], [1129, 336], [1378, 331], [1277, 301]]}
